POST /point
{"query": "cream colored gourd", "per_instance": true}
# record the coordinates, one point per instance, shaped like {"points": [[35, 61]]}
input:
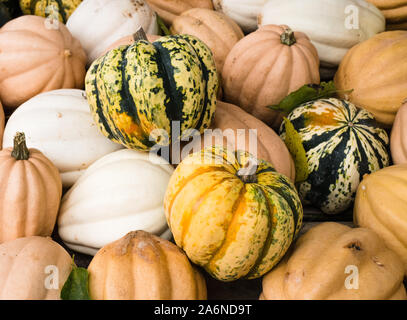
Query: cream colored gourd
{"points": [[398, 139], [121, 192], [60, 125], [26, 265], [128, 40], [110, 21]]}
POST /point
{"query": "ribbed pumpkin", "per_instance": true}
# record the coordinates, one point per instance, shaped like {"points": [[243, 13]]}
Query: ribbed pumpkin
{"points": [[31, 190], [342, 144], [137, 91], [215, 29], [129, 40], [398, 139], [36, 58], [2, 122], [318, 268], [280, 61], [141, 266], [395, 12], [381, 205], [50, 8], [232, 214], [376, 70]]}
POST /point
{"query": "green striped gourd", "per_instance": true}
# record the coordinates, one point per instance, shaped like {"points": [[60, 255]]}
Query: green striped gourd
{"points": [[55, 8]]}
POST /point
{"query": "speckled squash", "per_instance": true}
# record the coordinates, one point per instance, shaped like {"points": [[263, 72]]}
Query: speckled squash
{"points": [[395, 12], [398, 139], [141, 266], [137, 91], [60, 9], [232, 214], [342, 144]]}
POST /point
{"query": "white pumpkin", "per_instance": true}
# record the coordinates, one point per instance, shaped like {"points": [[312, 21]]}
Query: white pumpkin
{"points": [[99, 23], [121, 192], [60, 125], [243, 12], [333, 26]]}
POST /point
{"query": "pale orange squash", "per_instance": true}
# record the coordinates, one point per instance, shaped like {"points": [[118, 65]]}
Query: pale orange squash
{"points": [[128, 40], [395, 12], [398, 139], [2, 123]]}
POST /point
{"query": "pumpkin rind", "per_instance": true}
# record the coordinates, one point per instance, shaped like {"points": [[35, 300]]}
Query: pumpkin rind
{"points": [[395, 12], [398, 139], [342, 144], [43, 8]]}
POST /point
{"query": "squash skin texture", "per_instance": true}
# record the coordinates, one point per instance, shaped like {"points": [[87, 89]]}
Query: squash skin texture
{"points": [[231, 228], [395, 12], [380, 205], [316, 270], [141, 266], [398, 139], [39, 7]]}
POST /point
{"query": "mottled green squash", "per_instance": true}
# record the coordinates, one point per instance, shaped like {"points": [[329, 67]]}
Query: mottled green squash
{"points": [[44, 8]]}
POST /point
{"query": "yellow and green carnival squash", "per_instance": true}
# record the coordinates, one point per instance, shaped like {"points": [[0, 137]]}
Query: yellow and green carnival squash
{"points": [[232, 214], [44, 8], [136, 92]]}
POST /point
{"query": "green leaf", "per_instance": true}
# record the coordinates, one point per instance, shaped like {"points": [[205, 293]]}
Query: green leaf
{"points": [[76, 286], [293, 142], [162, 27]]}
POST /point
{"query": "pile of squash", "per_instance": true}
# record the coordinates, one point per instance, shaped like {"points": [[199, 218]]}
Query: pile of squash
{"points": [[173, 138]]}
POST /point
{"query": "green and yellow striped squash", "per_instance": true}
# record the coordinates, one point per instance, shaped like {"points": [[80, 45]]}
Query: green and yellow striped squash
{"points": [[44, 8], [233, 219], [137, 91], [342, 144]]}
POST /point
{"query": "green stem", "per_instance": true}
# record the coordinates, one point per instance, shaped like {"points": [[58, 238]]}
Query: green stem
{"points": [[287, 37], [20, 150]]}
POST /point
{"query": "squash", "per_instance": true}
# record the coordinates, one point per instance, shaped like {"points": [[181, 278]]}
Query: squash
{"points": [[121, 192], [31, 190], [60, 9], [2, 122], [231, 213], [168, 10], [398, 139], [59, 124], [376, 70], [36, 58], [333, 26], [216, 30], [267, 65], [125, 17], [141, 266], [380, 205], [348, 264], [33, 268], [138, 92], [127, 41], [244, 12], [395, 12], [342, 144]]}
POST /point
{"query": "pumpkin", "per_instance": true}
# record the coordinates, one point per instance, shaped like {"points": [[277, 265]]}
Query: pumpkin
{"points": [[333, 26], [380, 205], [36, 58], [398, 139], [218, 31], [280, 61], [395, 12], [129, 40], [168, 10], [2, 121], [121, 192], [138, 92], [31, 190], [33, 268], [376, 70], [244, 12], [59, 123], [232, 214], [58, 9], [125, 17], [326, 270], [141, 266], [342, 144]]}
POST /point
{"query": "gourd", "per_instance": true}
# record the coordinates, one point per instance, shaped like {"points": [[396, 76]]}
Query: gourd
{"points": [[125, 17], [121, 192], [31, 190], [33, 268], [380, 86], [143, 266], [137, 93], [267, 65], [342, 144], [57, 9], [2, 121], [232, 214], [129, 40], [59, 124], [380, 205], [398, 139], [395, 12], [323, 270], [36, 58], [216, 30]]}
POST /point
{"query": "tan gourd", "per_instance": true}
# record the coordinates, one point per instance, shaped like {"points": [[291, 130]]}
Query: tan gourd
{"points": [[398, 140], [128, 40], [395, 12]]}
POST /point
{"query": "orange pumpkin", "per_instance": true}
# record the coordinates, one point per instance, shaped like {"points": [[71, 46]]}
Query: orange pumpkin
{"points": [[395, 12], [2, 123], [398, 139]]}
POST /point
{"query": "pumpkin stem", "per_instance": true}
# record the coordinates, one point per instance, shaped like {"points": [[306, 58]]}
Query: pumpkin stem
{"points": [[248, 173], [140, 35], [20, 150], [287, 37]]}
